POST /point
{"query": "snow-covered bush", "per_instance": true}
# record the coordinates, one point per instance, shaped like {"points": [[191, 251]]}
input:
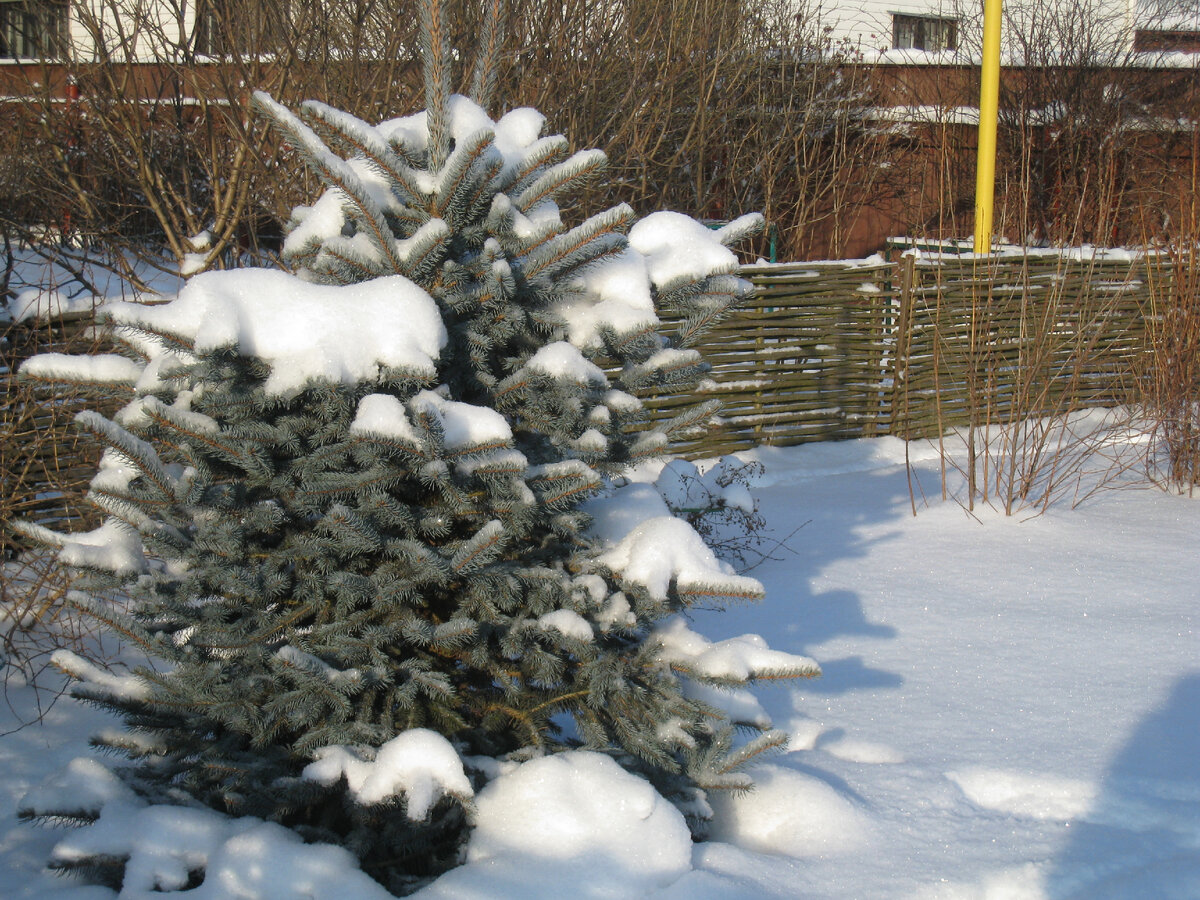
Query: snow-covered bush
{"points": [[717, 503], [345, 503]]}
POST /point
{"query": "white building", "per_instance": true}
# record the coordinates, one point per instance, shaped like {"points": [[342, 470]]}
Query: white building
{"points": [[901, 31], [1034, 31], [82, 30]]}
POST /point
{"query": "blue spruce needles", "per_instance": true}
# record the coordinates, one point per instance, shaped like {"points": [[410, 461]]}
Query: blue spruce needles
{"points": [[349, 504]]}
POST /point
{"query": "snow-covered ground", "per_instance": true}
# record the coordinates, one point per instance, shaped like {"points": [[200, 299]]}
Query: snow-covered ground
{"points": [[1009, 709]]}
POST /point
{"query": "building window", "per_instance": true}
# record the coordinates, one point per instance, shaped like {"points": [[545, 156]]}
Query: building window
{"points": [[208, 37], [924, 33], [32, 29], [1149, 40]]}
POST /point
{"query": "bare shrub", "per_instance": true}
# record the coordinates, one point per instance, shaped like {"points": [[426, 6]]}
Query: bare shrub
{"points": [[45, 465], [713, 107], [1019, 349], [1172, 377]]}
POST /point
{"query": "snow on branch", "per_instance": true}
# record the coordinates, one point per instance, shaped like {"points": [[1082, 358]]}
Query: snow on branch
{"points": [[113, 547], [465, 428], [304, 331], [563, 176], [562, 360], [736, 660], [367, 141], [418, 764], [664, 551], [108, 370], [679, 250], [129, 687], [741, 228]]}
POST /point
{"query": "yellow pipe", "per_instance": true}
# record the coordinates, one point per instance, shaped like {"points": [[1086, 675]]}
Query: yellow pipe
{"points": [[989, 106]]}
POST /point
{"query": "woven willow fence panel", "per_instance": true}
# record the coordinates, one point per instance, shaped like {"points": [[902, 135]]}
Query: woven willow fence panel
{"points": [[803, 360], [1004, 339], [821, 352], [45, 465], [828, 351]]}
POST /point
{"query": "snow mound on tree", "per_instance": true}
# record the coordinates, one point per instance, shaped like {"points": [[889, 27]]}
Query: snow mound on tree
{"points": [[737, 658], [89, 783], [646, 545], [304, 331], [418, 763], [112, 545], [103, 368], [663, 550], [622, 510], [678, 249], [576, 819], [562, 360], [464, 425], [614, 293]]}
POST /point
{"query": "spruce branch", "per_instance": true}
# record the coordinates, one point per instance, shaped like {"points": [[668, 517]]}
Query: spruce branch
{"points": [[697, 416], [138, 453], [334, 171], [487, 60], [741, 228], [365, 140], [601, 235], [542, 153], [436, 60], [558, 179]]}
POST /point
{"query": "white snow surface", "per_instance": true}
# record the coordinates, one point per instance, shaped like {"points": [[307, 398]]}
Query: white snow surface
{"points": [[304, 331], [1010, 708], [243, 858], [575, 823], [683, 486]]}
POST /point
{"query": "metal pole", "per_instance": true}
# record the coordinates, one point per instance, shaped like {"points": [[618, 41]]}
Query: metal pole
{"points": [[989, 105]]}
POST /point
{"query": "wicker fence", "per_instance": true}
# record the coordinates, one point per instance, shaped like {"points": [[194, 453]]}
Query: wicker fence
{"points": [[803, 360], [828, 351], [823, 351], [44, 464]]}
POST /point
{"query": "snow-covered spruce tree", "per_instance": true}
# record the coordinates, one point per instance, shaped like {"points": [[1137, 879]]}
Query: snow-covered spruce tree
{"points": [[346, 506]]}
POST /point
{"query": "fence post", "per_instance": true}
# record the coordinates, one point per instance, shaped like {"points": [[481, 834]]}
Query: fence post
{"points": [[898, 420]]}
